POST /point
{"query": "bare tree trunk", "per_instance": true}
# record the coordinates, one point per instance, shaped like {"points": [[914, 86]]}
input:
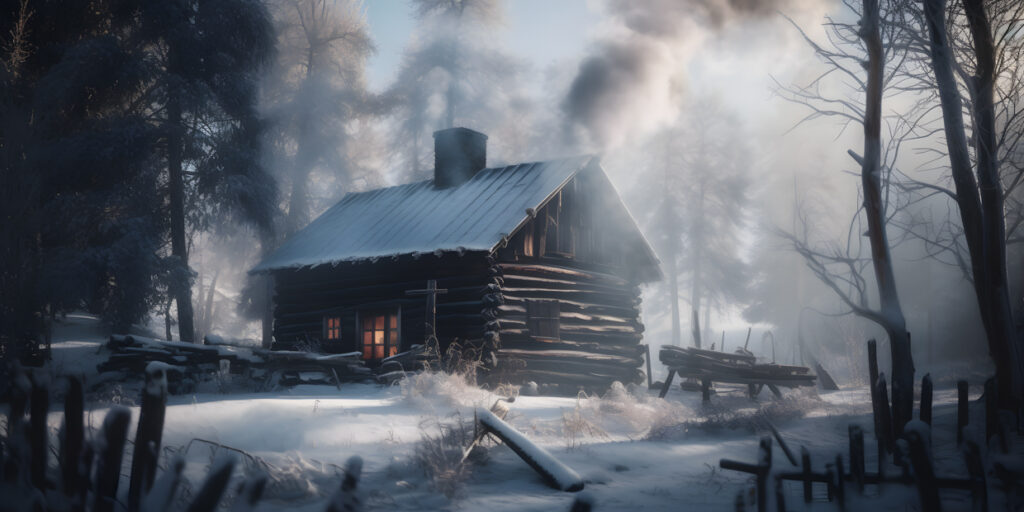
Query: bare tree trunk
{"points": [[1004, 344], [697, 241], [182, 289], [673, 284], [206, 326], [981, 215], [298, 201], [891, 311]]}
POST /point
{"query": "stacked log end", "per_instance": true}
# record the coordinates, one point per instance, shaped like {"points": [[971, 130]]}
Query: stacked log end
{"points": [[599, 332]]}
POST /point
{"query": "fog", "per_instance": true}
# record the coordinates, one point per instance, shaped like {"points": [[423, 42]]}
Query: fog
{"points": [[670, 94]]}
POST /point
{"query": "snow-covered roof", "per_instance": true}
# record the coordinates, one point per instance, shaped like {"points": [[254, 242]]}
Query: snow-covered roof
{"points": [[420, 218]]}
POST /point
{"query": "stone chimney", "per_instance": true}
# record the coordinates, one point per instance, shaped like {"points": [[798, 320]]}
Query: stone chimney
{"points": [[458, 154]]}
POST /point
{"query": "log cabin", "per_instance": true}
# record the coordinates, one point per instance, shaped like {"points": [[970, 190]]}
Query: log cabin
{"points": [[540, 266]]}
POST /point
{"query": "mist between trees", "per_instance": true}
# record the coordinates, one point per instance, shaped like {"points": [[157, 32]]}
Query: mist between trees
{"points": [[153, 151]]}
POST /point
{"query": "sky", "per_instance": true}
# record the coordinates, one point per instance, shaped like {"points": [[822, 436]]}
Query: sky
{"points": [[557, 35]]}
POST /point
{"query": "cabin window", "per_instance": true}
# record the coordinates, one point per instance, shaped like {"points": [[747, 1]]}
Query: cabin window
{"points": [[379, 334], [332, 328], [543, 318]]}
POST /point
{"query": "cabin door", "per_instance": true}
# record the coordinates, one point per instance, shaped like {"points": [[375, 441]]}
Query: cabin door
{"points": [[379, 334]]}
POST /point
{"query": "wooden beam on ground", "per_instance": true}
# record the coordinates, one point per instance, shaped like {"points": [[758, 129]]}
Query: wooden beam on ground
{"points": [[556, 474]]}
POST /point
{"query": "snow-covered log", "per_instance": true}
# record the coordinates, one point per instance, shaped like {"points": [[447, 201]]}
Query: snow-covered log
{"points": [[558, 475]]}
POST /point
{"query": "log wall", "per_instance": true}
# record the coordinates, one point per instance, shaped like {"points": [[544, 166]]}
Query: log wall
{"points": [[304, 297], [600, 329]]}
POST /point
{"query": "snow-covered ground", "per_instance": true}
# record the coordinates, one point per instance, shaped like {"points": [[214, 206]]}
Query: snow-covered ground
{"points": [[633, 450]]}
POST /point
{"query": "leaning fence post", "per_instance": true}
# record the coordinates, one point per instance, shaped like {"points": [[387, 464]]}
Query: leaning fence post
{"points": [[992, 413], [926, 399], [857, 456], [209, 495], [962, 417]]}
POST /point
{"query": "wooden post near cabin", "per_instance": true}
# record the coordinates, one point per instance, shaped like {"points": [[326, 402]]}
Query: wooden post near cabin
{"points": [[991, 411], [705, 391], [961, 410], [431, 292], [883, 420], [668, 383], [647, 358], [926, 399]]}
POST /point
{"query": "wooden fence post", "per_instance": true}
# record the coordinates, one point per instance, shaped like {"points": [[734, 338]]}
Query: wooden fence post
{"points": [[924, 473], [108, 467], [39, 405], [780, 495], [764, 460], [976, 472], [840, 483], [884, 417], [805, 459], [71, 442], [148, 434], [962, 411], [857, 466], [926, 399]]}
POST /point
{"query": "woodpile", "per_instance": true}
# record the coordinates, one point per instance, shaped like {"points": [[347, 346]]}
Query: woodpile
{"points": [[737, 368], [186, 361]]}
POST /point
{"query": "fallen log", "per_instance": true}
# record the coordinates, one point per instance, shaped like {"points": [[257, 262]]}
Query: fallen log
{"points": [[557, 475]]}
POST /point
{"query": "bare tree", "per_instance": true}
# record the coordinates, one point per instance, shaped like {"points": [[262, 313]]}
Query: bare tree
{"points": [[317, 90], [854, 50], [980, 201]]}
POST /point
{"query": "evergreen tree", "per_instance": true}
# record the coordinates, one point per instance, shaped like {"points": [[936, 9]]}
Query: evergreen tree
{"points": [[77, 178], [208, 56]]}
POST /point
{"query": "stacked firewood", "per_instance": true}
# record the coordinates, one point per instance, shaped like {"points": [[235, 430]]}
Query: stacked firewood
{"points": [[186, 361], [738, 368]]}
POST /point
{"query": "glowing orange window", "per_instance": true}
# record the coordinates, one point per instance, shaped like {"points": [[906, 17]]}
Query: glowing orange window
{"points": [[380, 335], [332, 328]]}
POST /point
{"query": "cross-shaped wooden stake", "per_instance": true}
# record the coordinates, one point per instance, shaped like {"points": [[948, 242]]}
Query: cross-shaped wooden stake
{"points": [[431, 292]]}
